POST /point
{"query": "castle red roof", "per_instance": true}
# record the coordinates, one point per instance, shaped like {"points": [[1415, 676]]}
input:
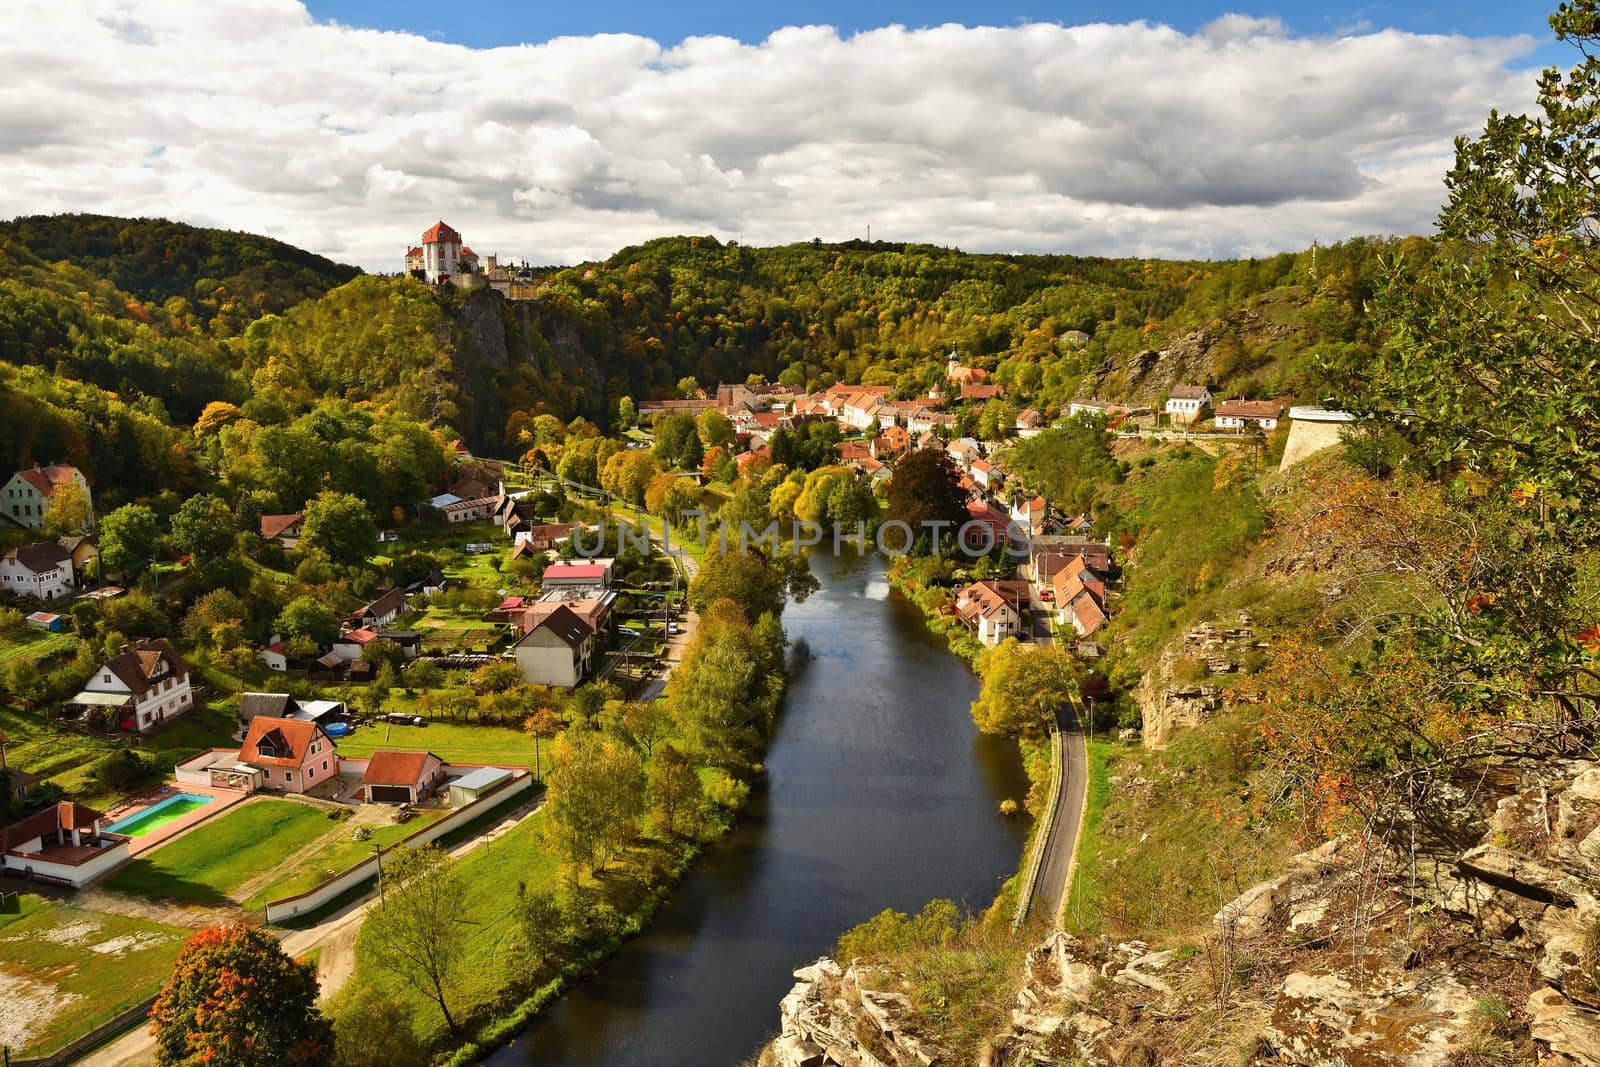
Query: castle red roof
{"points": [[440, 231]]}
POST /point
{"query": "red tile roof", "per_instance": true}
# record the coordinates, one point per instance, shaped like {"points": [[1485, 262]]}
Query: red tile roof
{"points": [[274, 525], [48, 479], [288, 741], [562, 569], [439, 231], [64, 815], [386, 767]]}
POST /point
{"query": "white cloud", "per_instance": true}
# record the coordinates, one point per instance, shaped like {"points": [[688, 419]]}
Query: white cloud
{"points": [[1240, 138]]}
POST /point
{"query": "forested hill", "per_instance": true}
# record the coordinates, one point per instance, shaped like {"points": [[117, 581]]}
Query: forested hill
{"points": [[238, 276], [117, 334]]}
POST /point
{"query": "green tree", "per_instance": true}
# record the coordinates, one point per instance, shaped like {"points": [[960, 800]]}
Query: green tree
{"points": [[594, 798], [339, 525], [675, 792], [715, 430], [308, 618], [371, 1026], [925, 489], [627, 413], [129, 541], [416, 934], [205, 528], [234, 999]]}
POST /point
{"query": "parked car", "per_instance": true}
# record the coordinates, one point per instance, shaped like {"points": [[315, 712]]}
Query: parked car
{"points": [[629, 631]]}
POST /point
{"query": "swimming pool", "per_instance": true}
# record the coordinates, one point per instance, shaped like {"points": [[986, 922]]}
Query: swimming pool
{"points": [[159, 814]]}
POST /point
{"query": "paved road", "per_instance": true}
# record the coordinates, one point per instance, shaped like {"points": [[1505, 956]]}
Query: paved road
{"points": [[1055, 871]]}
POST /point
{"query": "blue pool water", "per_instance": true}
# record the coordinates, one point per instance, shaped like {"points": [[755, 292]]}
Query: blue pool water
{"points": [[159, 814], [336, 729]]}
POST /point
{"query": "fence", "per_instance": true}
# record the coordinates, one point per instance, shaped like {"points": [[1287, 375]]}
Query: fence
{"points": [[1047, 825], [312, 899]]}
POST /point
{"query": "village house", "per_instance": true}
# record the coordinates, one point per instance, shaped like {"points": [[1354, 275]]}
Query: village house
{"points": [[25, 498], [429, 584], [854, 451], [284, 529], [381, 611], [293, 755], [557, 650], [981, 392], [1048, 553], [276, 656], [964, 450], [983, 472], [1185, 401], [1030, 513], [596, 572], [42, 571], [147, 684], [1241, 414], [891, 442], [84, 550], [1086, 613], [400, 777], [992, 609], [1074, 578], [347, 647], [65, 844], [474, 510], [473, 478], [1030, 423]]}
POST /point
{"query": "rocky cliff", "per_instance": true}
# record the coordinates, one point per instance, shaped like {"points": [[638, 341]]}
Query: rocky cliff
{"points": [[1474, 939], [1188, 683]]}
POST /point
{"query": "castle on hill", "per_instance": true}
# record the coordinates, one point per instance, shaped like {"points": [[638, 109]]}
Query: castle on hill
{"points": [[443, 258]]}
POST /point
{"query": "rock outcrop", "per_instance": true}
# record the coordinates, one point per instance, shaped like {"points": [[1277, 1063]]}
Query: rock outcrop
{"points": [[1185, 688], [1354, 956]]}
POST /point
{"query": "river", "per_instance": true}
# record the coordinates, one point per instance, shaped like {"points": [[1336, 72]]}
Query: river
{"points": [[879, 793]]}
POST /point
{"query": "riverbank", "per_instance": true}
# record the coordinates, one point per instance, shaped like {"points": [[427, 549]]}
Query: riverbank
{"points": [[878, 792]]}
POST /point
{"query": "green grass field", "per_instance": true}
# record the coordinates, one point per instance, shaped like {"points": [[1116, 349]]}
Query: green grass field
{"points": [[33, 644], [65, 970], [493, 872], [211, 863], [336, 853], [452, 742]]}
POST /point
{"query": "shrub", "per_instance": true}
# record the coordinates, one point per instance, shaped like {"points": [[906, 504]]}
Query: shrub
{"points": [[123, 770]]}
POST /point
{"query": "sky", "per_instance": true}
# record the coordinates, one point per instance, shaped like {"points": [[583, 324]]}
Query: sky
{"points": [[558, 133]]}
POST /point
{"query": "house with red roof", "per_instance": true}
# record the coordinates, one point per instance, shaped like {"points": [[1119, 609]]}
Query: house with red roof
{"points": [[284, 529], [347, 646], [992, 609], [24, 499], [441, 253], [980, 392], [1242, 414], [293, 755], [393, 777], [578, 572], [65, 843], [146, 684]]}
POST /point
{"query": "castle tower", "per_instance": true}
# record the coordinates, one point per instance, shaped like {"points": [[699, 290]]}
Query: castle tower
{"points": [[441, 252]]}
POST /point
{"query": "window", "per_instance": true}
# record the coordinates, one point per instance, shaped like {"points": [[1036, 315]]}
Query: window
{"points": [[324, 764]]}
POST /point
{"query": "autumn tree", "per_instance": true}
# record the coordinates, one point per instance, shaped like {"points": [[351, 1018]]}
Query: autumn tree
{"points": [[371, 1026], [69, 512], [543, 725], [417, 934], [1025, 687], [235, 999], [714, 429], [594, 798]]}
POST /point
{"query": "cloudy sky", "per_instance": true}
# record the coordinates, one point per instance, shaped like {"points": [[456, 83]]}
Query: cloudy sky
{"points": [[348, 129]]}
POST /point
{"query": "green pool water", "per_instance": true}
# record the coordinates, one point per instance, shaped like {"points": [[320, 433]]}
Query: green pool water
{"points": [[158, 815]]}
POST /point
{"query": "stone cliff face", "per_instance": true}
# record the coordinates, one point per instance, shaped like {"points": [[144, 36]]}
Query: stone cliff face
{"points": [[1358, 955], [1198, 357], [1187, 684], [495, 334]]}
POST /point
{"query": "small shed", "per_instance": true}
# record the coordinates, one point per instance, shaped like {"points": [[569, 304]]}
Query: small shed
{"points": [[44, 620], [474, 784]]}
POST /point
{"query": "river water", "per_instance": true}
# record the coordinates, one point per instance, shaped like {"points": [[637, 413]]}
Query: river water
{"points": [[879, 793]]}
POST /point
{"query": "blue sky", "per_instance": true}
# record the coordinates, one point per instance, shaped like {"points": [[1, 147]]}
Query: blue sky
{"points": [[497, 22], [1198, 132]]}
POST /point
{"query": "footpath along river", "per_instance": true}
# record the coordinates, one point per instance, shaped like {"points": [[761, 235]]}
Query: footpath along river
{"points": [[879, 793]]}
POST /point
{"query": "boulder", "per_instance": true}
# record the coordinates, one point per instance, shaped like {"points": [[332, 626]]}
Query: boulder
{"points": [[1564, 1028], [1326, 1020], [1253, 912]]}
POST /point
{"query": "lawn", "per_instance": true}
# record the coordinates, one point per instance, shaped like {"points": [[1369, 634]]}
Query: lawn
{"points": [[335, 854], [493, 873], [212, 863], [453, 742], [45, 747], [64, 971]]}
